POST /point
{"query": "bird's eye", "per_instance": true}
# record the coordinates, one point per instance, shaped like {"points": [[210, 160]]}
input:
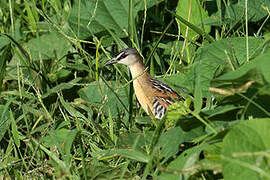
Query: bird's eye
{"points": [[123, 56]]}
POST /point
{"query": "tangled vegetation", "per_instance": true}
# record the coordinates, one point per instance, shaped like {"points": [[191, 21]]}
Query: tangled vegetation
{"points": [[63, 115]]}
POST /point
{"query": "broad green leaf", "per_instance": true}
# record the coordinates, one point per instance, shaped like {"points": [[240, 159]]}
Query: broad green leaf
{"points": [[166, 176], [91, 93], [113, 98], [234, 12], [172, 50], [212, 152], [169, 142], [190, 126], [198, 100], [212, 160], [143, 120], [62, 139], [3, 41], [260, 64], [219, 110], [60, 74], [71, 110], [178, 83], [47, 46], [101, 171], [246, 151], [185, 162], [170, 47], [192, 12], [91, 17], [217, 57]]}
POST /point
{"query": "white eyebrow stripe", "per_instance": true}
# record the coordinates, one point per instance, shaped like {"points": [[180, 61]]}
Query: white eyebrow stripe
{"points": [[119, 55]]}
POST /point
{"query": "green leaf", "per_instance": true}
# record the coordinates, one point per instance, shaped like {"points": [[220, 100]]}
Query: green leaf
{"points": [[220, 110], [62, 139], [177, 81], [14, 130], [196, 16], [185, 162], [246, 151], [234, 12], [177, 110], [5, 56], [43, 48], [3, 41], [169, 142], [260, 64], [136, 155], [60, 74], [198, 100], [52, 155], [136, 141], [71, 110], [4, 120], [91, 93], [217, 57], [22, 93], [91, 17], [61, 87], [98, 93]]}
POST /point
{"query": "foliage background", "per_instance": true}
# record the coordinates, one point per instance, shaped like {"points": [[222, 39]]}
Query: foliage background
{"points": [[64, 115]]}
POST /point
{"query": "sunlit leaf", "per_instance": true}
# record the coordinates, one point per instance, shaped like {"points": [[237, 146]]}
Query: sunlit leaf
{"points": [[98, 15], [193, 12], [127, 153]]}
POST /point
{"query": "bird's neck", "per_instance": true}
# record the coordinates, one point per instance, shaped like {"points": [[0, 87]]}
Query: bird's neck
{"points": [[138, 70]]}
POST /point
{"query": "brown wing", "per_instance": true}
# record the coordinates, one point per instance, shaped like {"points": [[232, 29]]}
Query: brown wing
{"points": [[165, 96]]}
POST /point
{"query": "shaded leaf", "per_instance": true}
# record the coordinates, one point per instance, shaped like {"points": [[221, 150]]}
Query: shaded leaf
{"points": [[169, 142], [47, 46], [183, 164], [4, 120], [134, 140], [98, 93], [5, 56], [60, 87], [244, 151], [62, 139], [52, 155], [14, 130]]}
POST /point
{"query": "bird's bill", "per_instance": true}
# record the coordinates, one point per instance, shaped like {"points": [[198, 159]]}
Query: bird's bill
{"points": [[112, 61]]}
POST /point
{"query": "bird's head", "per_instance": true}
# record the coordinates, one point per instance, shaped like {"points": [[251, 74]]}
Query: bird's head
{"points": [[126, 56]]}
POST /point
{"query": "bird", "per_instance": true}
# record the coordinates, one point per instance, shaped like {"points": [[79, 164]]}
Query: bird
{"points": [[153, 95]]}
